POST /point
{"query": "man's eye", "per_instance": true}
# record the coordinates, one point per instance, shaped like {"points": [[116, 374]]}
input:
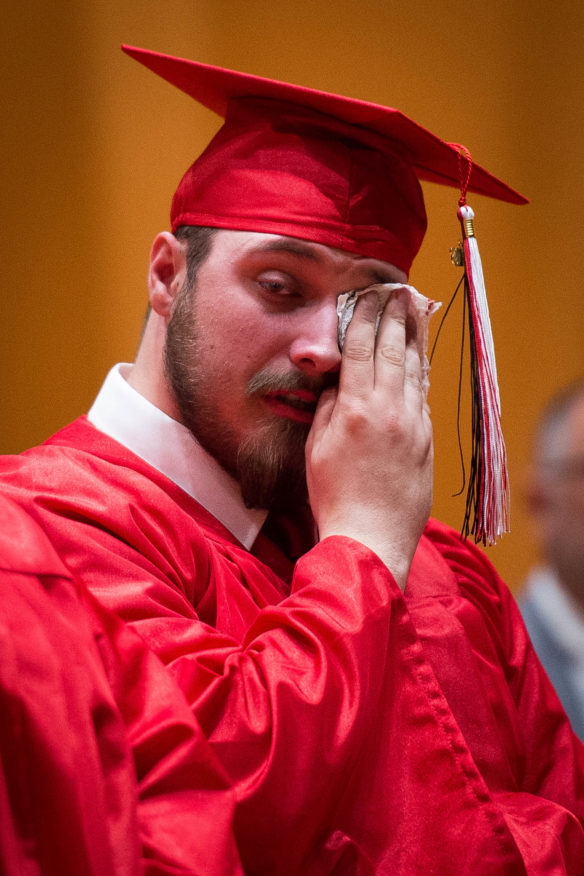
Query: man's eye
{"points": [[277, 286], [273, 286]]}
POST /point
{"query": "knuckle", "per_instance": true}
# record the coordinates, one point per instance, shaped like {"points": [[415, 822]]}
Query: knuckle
{"points": [[392, 354], [357, 351], [357, 419], [394, 423]]}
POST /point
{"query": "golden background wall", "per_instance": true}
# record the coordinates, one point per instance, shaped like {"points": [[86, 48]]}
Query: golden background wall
{"points": [[93, 146]]}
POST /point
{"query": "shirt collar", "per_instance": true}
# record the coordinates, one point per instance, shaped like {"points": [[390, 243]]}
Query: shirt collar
{"points": [[129, 418], [562, 613]]}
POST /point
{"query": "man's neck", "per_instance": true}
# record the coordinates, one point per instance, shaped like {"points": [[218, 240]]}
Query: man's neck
{"points": [[127, 416]]}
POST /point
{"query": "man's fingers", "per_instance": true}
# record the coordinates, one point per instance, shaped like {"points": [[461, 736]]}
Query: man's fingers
{"points": [[382, 362], [356, 376], [414, 388], [390, 353]]}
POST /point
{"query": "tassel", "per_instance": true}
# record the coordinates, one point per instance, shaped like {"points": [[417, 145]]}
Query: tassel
{"points": [[487, 501]]}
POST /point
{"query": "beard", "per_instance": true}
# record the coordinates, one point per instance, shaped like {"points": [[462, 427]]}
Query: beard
{"points": [[271, 466], [269, 463]]}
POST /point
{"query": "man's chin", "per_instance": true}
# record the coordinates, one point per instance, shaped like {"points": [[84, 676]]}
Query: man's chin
{"points": [[271, 470]]}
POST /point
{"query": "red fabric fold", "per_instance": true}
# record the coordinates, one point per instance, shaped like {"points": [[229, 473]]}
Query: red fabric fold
{"points": [[364, 731], [104, 769]]}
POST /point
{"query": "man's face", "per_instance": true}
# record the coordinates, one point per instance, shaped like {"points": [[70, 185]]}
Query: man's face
{"points": [[252, 346]]}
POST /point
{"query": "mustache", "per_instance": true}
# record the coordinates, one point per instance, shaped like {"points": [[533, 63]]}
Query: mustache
{"points": [[267, 381]]}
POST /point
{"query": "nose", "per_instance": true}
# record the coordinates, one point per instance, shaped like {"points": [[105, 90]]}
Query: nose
{"points": [[315, 348]]}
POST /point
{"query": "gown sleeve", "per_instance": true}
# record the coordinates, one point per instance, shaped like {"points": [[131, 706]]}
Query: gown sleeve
{"points": [[103, 768], [289, 705]]}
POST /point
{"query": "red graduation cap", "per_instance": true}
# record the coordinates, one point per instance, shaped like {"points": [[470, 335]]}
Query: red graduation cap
{"points": [[343, 172], [295, 161]]}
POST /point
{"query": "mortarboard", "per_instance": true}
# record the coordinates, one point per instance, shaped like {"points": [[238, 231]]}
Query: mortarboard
{"points": [[343, 172], [296, 161]]}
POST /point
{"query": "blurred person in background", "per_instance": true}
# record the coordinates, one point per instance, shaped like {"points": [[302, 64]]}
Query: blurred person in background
{"points": [[552, 602]]}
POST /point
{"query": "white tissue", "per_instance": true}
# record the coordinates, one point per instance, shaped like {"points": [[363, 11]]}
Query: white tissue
{"points": [[420, 307]]}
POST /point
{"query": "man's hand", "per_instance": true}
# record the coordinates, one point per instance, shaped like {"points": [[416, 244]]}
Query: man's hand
{"points": [[369, 453]]}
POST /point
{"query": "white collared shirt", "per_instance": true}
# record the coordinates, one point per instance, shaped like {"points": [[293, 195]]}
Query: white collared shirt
{"points": [[126, 416], [563, 617]]}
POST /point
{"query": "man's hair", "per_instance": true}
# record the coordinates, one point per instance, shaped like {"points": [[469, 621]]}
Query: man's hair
{"points": [[198, 243], [554, 414]]}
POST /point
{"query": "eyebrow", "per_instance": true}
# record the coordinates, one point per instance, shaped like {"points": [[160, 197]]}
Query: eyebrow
{"points": [[387, 276], [294, 247], [304, 250]]}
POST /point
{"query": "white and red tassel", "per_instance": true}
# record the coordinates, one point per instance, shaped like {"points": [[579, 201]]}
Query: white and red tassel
{"points": [[487, 503]]}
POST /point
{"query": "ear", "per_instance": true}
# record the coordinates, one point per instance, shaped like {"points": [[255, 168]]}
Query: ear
{"points": [[167, 272]]}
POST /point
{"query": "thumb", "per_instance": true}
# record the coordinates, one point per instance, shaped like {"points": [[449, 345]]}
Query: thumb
{"points": [[323, 413]]}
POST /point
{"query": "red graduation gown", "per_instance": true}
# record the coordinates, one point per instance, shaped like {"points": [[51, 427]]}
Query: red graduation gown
{"points": [[365, 731], [103, 768]]}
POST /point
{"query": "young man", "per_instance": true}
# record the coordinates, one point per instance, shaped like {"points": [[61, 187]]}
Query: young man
{"points": [[370, 691]]}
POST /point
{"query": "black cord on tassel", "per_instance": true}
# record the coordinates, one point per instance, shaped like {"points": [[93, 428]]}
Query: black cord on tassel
{"points": [[474, 497]]}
